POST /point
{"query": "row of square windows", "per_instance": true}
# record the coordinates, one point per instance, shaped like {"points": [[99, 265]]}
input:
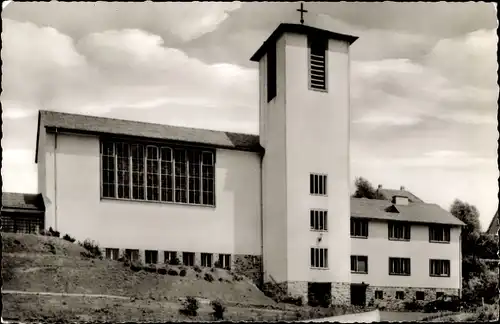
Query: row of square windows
{"points": [[397, 266], [419, 295], [396, 230], [171, 257]]}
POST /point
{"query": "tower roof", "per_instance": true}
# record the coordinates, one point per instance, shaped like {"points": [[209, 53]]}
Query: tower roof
{"points": [[299, 29]]}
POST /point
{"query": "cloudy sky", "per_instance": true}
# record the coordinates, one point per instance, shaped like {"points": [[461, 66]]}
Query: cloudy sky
{"points": [[423, 85]]}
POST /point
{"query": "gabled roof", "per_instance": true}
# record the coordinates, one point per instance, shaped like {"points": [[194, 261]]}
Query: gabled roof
{"points": [[494, 225], [414, 212], [298, 29], [22, 201], [389, 193], [65, 122]]}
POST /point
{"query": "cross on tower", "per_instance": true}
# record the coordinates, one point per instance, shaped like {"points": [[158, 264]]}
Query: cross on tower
{"points": [[301, 10]]}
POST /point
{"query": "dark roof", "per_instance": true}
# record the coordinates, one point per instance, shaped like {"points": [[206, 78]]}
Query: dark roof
{"points": [[494, 225], [299, 29], [52, 120], [389, 193], [15, 200], [414, 212]]}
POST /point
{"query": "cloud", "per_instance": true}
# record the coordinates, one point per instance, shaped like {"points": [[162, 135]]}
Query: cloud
{"points": [[18, 171]]}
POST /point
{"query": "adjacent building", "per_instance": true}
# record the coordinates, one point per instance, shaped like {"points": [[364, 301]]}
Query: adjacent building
{"points": [[275, 207]]}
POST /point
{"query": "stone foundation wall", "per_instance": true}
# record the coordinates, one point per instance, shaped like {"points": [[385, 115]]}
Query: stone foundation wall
{"points": [[341, 293], [390, 302], [249, 266], [298, 289]]}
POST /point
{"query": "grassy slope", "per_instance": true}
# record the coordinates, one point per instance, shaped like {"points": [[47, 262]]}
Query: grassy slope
{"points": [[39, 263]]}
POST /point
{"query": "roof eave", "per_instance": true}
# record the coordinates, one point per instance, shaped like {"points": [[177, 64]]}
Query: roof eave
{"points": [[298, 29], [257, 148]]}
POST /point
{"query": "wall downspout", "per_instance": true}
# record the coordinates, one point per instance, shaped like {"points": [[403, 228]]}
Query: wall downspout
{"points": [[262, 220], [55, 180]]}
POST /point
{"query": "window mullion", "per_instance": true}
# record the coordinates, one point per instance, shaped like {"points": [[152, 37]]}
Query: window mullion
{"points": [[115, 161], [131, 173]]}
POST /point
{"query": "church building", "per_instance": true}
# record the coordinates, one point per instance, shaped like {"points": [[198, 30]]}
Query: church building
{"points": [[275, 207]]}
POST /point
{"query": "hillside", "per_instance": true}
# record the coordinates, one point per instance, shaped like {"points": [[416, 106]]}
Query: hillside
{"points": [[49, 264]]}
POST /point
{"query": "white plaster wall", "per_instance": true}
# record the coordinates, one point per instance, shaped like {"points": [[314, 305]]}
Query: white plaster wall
{"points": [[272, 138], [233, 226], [317, 142], [379, 248]]}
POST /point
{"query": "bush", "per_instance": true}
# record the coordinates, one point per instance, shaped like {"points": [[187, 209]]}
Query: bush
{"points": [[174, 261], [237, 277], [298, 301], [208, 277], [68, 238], [149, 268], [190, 307], [413, 305], [487, 313], [162, 271], [197, 268], [92, 247], [54, 233], [217, 264], [136, 266], [219, 309], [172, 272], [182, 273]]}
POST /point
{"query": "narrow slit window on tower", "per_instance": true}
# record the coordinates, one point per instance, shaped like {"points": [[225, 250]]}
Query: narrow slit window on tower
{"points": [[271, 73], [317, 62], [317, 184]]}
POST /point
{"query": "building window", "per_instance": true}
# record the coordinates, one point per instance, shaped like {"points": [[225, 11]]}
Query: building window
{"points": [[399, 231], [224, 261], [419, 295], [151, 257], [271, 73], [319, 258], [206, 260], [439, 294], [25, 225], [439, 268], [319, 220], [317, 62], [359, 227], [399, 266], [439, 233], [359, 264], [132, 255], [157, 173], [379, 294], [188, 258], [170, 257], [317, 184], [400, 295], [112, 254]]}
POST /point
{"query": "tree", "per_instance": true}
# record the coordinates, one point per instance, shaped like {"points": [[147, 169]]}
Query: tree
{"points": [[364, 189], [472, 231]]}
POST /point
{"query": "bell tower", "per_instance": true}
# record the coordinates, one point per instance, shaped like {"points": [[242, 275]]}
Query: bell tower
{"points": [[304, 129]]}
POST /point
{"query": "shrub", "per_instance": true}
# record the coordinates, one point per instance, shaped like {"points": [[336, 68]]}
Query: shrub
{"points": [[172, 272], [149, 268], [182, 273], [162, 271], [136, 266], [197, 268], [487, 313], [190, 307], [298, 301], [413, 305], [54, 233], [217, 264], [174, 261], [237, 277], [208, 277], [212, 269], [68, 238], [219, 309], [92, 247]]}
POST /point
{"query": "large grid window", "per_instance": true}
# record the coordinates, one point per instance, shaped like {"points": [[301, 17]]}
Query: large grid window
{"points": [[317, 63], [399, 266], [439, 268], [359, 227], [317, 184], [319, 258], [359, 263], [157, 173], [319, 220], [399, 231], [439, 233], [22, 225]]}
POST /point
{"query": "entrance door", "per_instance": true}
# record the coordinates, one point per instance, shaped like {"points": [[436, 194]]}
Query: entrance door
{"points": [[319, 294], [358, 294]]}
